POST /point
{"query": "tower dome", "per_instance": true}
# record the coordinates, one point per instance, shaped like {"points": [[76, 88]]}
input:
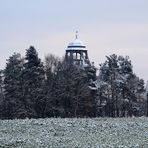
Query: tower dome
{"points": [[76, 44]]}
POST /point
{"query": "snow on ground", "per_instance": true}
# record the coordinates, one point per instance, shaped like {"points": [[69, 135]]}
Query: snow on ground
{"points": [[69, 133]]}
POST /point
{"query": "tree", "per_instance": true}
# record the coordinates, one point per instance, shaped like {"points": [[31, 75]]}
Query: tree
{"points": [[1, 81], [122, 88], [51, 62], [33, 79], [12, 83], [51, 65], [73, 96], [1, 93]]}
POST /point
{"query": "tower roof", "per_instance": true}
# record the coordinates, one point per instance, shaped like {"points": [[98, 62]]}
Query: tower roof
{"points": [[76, 44]]}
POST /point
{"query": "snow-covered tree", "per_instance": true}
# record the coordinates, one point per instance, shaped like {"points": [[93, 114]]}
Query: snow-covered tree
{"points": [[119, 87], [51, 64], [1, 94], [1, 81], [12, 83], [33, 78], [72, 94]]}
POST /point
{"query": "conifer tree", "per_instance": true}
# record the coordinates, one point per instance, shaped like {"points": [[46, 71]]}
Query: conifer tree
{"points": [[33, 78], [122, 87], [12, 83]]}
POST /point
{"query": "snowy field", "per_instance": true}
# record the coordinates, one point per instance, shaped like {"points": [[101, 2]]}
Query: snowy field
{"points": [[69, 133]]}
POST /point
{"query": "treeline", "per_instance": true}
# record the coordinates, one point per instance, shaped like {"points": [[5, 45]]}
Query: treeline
{"points": [[30, 88]]}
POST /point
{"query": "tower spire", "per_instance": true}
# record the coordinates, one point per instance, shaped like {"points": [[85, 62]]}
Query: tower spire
{"points": [[76, 34]]}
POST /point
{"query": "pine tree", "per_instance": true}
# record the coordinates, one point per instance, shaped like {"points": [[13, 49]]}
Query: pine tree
{"points": [[12, 83], [122, 87], [33, 78]]}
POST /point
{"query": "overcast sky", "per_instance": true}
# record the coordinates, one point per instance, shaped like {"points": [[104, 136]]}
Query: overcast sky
{"points": [[105, 27]]}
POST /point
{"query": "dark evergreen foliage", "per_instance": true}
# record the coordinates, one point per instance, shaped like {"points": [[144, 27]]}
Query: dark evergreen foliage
{"points": [[74, 93], [33, 79], [12, 84], [29, 89]]}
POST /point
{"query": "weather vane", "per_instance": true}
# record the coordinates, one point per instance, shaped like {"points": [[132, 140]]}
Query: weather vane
{"points": [[76, 34]]}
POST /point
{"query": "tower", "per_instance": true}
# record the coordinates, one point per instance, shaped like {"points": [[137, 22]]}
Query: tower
{"points": [[76, 53]]}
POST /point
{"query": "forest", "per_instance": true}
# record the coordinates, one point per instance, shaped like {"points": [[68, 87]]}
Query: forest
{"points": [[31, 88]]}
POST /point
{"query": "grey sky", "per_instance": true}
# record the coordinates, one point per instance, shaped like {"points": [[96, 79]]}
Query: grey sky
{"points": [[105, 26]]}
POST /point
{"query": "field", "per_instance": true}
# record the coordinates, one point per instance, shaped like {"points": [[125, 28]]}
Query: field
{"points": [[69, 133]]}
